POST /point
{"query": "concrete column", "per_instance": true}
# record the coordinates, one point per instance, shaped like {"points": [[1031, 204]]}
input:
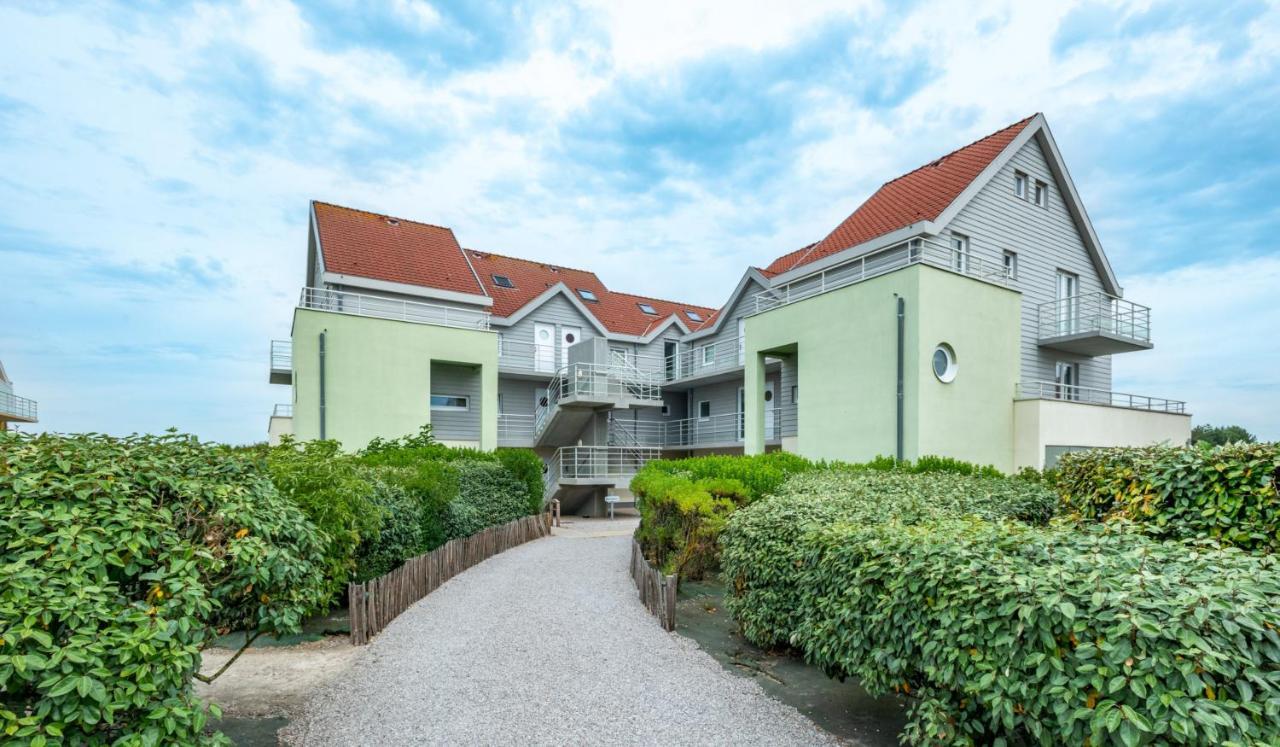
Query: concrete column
{"points": [[488, 407]]}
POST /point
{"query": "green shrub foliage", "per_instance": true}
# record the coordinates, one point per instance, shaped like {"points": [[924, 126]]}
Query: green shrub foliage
{"points": [[527, 467], [761, 550], [122, 559], [1004, 632], [1228, 493], [488, 495], [401, 531]]}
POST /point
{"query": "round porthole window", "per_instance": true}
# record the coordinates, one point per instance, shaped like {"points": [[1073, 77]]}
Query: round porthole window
{"points": [[569, 338], [768, 396], [944, 363]]}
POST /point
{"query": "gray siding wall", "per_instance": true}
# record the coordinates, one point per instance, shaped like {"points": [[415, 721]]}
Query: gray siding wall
{"points": [[460, 381], [786, 400], [726, 337], [1046, 240], [518, 339]]}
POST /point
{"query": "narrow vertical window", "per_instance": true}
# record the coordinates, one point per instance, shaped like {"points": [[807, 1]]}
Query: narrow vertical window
{"points": [[1010, 265], [1066, 376], [1042, 194], [1020, 185], [1068, 302], [959, 253]]}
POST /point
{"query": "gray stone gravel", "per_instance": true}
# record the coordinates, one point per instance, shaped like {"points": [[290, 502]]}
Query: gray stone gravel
{"points": [[543, 644]]}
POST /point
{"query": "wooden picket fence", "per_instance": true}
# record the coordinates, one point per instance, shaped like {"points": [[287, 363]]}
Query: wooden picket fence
{"points": [[375, 603], [657, 592]]}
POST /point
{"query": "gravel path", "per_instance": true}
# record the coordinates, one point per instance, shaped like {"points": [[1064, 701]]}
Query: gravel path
{"points": [[543, 644]]}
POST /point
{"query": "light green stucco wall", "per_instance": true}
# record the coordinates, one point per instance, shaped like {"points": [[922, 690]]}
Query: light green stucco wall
{"points": [[378, 375], [846, 347]]}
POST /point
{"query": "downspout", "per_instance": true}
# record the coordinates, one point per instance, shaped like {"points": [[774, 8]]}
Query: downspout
{"points": [[322, 428], [902, 321]]}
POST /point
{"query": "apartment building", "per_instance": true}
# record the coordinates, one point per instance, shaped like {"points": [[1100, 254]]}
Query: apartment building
{"points": [[14, 409], [965, 309]]}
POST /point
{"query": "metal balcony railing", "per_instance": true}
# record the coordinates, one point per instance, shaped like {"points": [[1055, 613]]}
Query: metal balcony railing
{"points": [[927, 251], [595, 382], [726, 428], [359, 304], [17, 408], [1094, 313], [1091, 396], [515, 430], [282, 355], [603, 462], [282, 411]]}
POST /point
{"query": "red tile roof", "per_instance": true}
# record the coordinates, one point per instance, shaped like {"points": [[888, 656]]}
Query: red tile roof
{"points": [[370, 245], [919, 195], [617, 312]]}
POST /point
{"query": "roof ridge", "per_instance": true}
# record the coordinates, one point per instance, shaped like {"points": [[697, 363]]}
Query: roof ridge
{"points": [[383, 215], [954, 151], [662, 300], [531, 261]]}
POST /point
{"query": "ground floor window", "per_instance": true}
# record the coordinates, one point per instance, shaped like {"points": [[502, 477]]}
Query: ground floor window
{"points": [[1067, 378], [704, 409], [450, 402]]}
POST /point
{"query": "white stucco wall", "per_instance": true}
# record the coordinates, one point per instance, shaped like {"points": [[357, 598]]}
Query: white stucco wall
{"points": [[277, 427], [1038, 423]]}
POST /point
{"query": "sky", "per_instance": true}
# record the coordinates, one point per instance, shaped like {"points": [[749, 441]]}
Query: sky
{"points": [[157, 159]]}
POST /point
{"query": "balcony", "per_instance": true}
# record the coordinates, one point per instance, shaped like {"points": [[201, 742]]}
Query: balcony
{"points": [[579, 388], [1094, 324], [515, 430], [920, 251], [599, 465], [282, 411], [718, 431], [281, 362], [1089, 396], [17, 409], [380, 307]]}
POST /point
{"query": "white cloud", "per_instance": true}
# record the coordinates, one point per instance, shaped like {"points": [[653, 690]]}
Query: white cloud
{"points": [[1215, 330], [417, 12]]}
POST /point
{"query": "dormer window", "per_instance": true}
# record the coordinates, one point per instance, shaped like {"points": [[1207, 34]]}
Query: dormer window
{"points": [[1042, 194], [648, 309], [695, 316], [502, 281], [1020, 185], [587, 295]]}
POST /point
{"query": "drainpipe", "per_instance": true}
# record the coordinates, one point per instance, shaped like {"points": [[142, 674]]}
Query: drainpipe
{"points": [[902, 321], [322, 428]]}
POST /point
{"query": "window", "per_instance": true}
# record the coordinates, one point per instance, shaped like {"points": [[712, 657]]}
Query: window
{"points": [[666, 410], [1067, 378], [944, 363], [502, 281], [959, 252], [499, 344], [695, 316], [1042, 194], [795, 394], [1020, 184], [704, 409], [708, 354], [618, 356], [648, 309], [587, 295], [1068, 302], [449, 402], [1011, 265]]}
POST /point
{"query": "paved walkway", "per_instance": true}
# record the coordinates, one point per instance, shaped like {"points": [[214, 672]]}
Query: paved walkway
{"points": [[543, 644]]}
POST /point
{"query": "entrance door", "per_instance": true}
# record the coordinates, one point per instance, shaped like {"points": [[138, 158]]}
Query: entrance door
{"points": [[671, 358], [568, 336], [770, 402], [1068, 302], [544, 347]]}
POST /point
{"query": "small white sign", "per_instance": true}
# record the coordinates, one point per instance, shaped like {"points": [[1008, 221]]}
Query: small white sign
{"points": [[611, 499]]}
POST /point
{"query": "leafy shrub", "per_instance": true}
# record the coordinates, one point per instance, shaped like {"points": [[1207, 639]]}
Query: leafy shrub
{"points": [[527, 467], [762, 552], [1227, 493], [488, 495], [432, 486], [336, 494], [683, 504], [402, 531], [122, 558], [1061, 635]]}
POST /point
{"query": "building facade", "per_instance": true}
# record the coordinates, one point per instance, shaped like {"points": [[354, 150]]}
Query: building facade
{"points": [[966, 309]]}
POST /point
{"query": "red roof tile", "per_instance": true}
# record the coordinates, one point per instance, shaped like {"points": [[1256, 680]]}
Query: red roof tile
{"points": [[370, 245], [617, 312], [917, 196]]}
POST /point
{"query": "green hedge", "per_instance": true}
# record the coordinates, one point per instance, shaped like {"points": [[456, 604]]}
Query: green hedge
{"points": [[1062, 635], [488, 495], [122, 558], [1228, 493], [762, 552], [683, 504], [527, 467]]}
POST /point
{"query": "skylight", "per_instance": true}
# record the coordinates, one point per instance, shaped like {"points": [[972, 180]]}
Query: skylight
{"points": [[502, 281], [646, 308], [695, 316], [587, 295]]}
